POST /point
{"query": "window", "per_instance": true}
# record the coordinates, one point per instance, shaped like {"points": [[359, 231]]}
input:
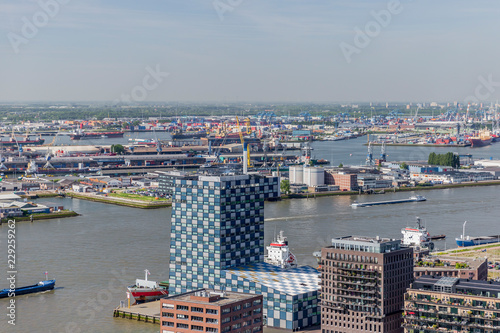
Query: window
{"points": [[212, 311], [183, 317], [195, 318], [168, 306], [195, 309], [182, 308], [226, 310], [167, 323], [212, 321], [247, 305], [257, 301], [196, 328], [237, 307], [179, 325], [212, 330], [226, 320], [168, 314]]}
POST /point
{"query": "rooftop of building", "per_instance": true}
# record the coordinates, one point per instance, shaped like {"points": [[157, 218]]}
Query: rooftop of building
{"points": [[449, 262], [211, 297], [375, 244], [430, 281], [293, 281]]}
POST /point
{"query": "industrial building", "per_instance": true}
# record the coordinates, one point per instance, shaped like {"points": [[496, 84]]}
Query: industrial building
{"points": [[310, 176], [363, 282], [446, 304]]}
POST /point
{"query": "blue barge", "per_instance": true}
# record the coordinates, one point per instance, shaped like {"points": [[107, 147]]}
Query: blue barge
{"points": [[35, 288]]}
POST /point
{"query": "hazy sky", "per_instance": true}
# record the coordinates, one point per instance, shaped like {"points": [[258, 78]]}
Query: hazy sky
{"points": [[250, 50]]}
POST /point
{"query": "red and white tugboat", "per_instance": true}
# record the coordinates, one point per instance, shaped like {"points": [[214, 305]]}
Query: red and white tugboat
{"points": [[147, 291], [279, 254]]}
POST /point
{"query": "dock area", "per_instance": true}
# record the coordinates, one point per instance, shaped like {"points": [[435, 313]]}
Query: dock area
{"points": [[146, 312]]}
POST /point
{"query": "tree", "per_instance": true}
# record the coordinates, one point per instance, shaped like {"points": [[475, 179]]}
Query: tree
{"points": [[341, 165], [118, 149], [285, 186], [403, 166]]}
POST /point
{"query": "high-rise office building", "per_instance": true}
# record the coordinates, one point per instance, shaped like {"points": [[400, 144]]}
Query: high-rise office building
{"points": [[363, 284], [217, 223], [217, 241]]}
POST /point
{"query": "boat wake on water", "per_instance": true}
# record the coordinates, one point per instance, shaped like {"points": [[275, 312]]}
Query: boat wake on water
{"points": [[294, 217]]}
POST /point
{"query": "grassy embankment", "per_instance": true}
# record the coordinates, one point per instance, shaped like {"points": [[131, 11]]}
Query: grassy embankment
{"points": [[122, 201], [44, 216]]}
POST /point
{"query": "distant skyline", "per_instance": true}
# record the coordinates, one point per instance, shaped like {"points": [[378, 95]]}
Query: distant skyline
{"points": [[249, 50]]}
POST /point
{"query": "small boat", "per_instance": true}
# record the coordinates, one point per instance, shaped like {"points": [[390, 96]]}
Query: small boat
{"points": [[437, 237], [36, 288], [147, 291]]}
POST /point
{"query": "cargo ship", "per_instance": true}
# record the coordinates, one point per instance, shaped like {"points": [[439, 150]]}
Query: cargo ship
{"points": [[96, 135], [417, 237], [147, 291], [25, 141], [278, 253], [36, 288], [415, 198], [483, 138], [464, 241]]}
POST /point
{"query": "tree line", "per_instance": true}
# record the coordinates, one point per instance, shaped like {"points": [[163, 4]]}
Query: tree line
{"points": [[448, 159]]}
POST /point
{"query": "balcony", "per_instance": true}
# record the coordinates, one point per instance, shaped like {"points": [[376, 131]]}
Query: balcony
{"points": [[371, 291], [357, 283]]}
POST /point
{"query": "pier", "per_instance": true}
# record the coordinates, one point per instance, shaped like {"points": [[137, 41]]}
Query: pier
{"points": [[146, 312]]}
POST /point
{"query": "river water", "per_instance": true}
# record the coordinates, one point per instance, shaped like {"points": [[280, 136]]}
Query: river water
{"points": [[96, 255]]}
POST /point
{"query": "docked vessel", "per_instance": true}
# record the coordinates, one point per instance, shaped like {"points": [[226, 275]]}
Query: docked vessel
{"points": [[24, 141], [464, 241], [35, 288], [278, 253], [415, 198], [188, 135], [147, 291], [483, 138], [96, 135], [417, 237]]}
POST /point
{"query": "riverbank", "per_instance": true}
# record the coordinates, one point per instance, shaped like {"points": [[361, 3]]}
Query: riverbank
{"points": [[119, 201], [390, 190], [43, 216]]}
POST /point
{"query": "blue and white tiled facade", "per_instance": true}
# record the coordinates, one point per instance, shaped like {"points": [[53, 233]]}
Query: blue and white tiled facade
{"points": [[290, 296], [217, 241]]}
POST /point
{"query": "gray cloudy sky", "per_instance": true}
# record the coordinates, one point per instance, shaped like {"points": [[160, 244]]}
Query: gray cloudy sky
{"points": [[247, 50]]}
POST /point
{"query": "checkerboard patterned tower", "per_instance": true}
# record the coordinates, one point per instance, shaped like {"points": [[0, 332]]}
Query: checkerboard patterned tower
{"points": [[217, 224]]}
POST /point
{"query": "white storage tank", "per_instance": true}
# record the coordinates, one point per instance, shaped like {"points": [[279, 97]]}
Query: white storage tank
{"points": [[296, 174], [314, 176]]}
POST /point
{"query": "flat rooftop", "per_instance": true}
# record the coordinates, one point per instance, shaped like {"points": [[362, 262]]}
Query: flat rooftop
{"points": [[225, 297], [366, 239], [293, 281], [472, 285]]}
